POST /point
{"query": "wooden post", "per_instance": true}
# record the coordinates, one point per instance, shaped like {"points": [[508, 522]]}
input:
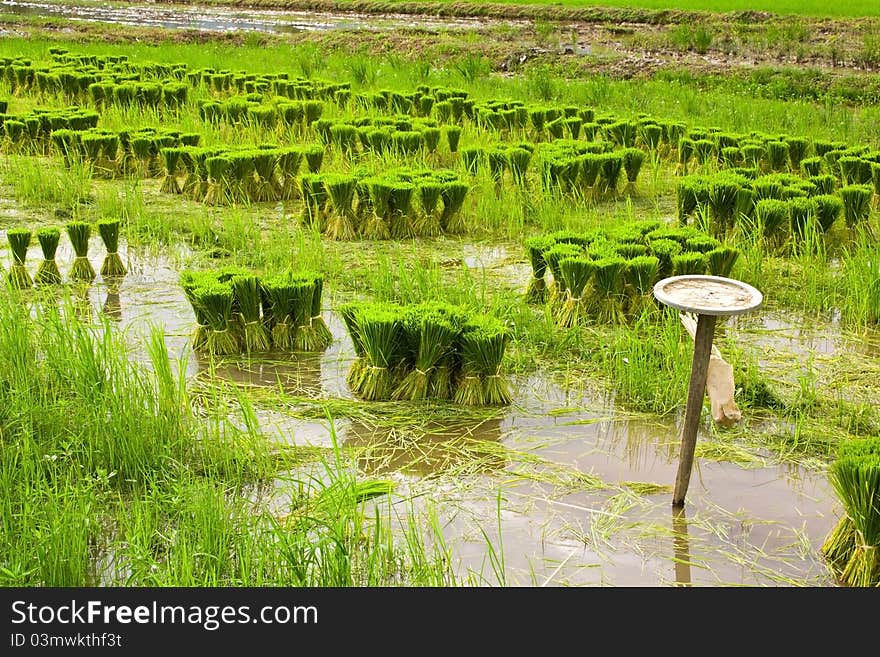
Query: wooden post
{"points": [[696, 392]]}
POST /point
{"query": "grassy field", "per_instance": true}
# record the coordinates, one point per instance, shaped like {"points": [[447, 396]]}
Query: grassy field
{"points": [[135, 471]]}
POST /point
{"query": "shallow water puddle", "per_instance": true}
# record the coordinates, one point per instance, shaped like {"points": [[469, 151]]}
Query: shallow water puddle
{"points": [[230, 19], [585, 488]]}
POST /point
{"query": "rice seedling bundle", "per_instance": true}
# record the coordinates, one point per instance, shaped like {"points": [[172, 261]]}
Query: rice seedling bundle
{"points": [[536, 292], [610, 167], [852, 547], [827, 209], [856, 203], [608, 288], [576, 274], [281, 294], [797, 150], [665, 250], [639, 277], [686, 150], [851, 170], [453, 137], [731, 156], [302, 293], [553, 256], [427, 219], [481, 382], [314, 196], [721, 260], [247, 301], [633, 159], [651, 136], [704, 150], [266, 187], [19, 240], [79, 233], [219, 168], [214, 300], [723, 192], [772, 215], [377, 223], [701, 243], [112, 267], [401, 216], [800, 213], [812, 166], [497, 159], [321, 335], [47, 271], [341, 222], [380, 333], [431, 332], [518, 162], [314, 156], [452, 219], [777, 155]]}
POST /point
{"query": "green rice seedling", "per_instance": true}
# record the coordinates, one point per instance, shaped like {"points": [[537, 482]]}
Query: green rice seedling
{"points": [[47, 271], [289, 161], [437, 333], [312, 111], [651, 136], [537, 288], [305, 337], [688, 192], [686, 150], [852, 548], [701, 243], [609, 173], [753, 155], [797, 150], [722, 260], [321, 337], [431, 138], [112, 267], [827, 209], [772, 215], [481, 345], [471, 158], [264, 162], [452, 218], [573, 126], [665, 250], [218, 190], [640, 275], [856, 203], [731, 156], [875, 177], [800, 213], [824, 183], [350, 313], [19, 240], [811, 166], [314, 156], [401, 217], [247, 300], [704, 151], [377, 224], [768, 188], [553, 256], [576, 274], [722, 203], [314, 196], [608, 290], [341, 220], [497, 160], [633, 159], [278, 303], [850, 168], [215, 301], [518, 160], [427, 219], [380, 332], [744, 207], [189, 281], [777, 155], [689, 263], [556, 128], [453, 137], [79, 233]]}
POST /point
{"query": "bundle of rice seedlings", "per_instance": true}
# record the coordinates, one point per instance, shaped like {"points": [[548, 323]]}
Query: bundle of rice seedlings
{"points": [[79, 233], [289, 161], [471, 158], [851, 169], [811, 166], [452, 219], [171, 157], [639, 277], [576, 274], [314, 158], [633, 158], [688, 263], [721, 260], [214, 300], [497, 159], [427, 220], [19, 240], [731, 156], [666, 249], [856, 203], [247, 299], [827, 208], [314, 196], [722, 203], [377, 224], [341, 220], [401, 219], [453, 136], [380, 333], [264, 162], [436, 336], [112, 265], [800, 213], [553, 256], [537, 289], [189, 281], [875, 177], [704, 151], [518, 162], [350, 313], [771, 215], [686, 149], [852, 547], [777, 155], [218, 179], [797, 150], [610, 167], [305, 337], [608, 288], [321, 335], [753, 155], [481, 346], [701, 243], [280, 293], [47, 271]]}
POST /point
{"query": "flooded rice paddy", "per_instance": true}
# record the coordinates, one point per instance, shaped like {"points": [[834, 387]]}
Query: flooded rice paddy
{"points": [[580, 489]]}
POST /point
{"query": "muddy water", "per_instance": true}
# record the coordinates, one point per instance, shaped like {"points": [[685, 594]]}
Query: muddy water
{"points": [[226, 19], [757, 525]]}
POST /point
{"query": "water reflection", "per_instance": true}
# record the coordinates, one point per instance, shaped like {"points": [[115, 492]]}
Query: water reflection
{"points": [[681, 547]]}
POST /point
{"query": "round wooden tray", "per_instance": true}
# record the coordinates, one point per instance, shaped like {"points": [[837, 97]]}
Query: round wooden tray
{"points": [[707, 295]]}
